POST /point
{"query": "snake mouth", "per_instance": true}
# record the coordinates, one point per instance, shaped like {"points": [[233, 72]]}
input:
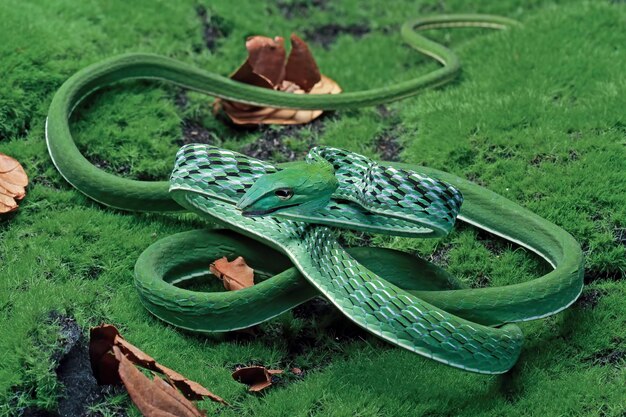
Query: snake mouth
{"points": [[259, 213]]}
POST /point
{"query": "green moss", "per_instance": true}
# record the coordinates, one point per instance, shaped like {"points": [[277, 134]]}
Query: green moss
{"points": [[537, 116]]}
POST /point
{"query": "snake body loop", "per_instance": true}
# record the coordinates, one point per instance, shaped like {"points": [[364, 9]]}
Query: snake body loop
{"points": [[398, 297]]}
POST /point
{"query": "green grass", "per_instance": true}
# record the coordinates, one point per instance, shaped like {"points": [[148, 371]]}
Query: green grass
{"points": [[537, 116]]}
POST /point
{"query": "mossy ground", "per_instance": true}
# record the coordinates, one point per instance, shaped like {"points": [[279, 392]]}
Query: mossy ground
{"points": [[537, 116]]}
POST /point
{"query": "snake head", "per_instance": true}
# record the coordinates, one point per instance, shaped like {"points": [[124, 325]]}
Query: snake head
{"points": [[301, 188]]}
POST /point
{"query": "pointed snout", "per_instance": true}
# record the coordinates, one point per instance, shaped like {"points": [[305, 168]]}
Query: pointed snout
{"points": [[250, 197], [245, 202]]}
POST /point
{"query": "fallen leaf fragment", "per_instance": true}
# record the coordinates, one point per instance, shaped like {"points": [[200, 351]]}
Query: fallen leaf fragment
{"points": [[266, 59], [13, 182], [153, 397], [235, 275], [301, 68], [257, 377], [113, 361], [266, 67], [103, 363], [189, 388]]}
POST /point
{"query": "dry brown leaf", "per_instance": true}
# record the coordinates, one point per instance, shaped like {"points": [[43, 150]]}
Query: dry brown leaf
{"points": [[154, 398], [105, 340], [266, 67], [301, 68], [13, 180], [266, 59], [191, 389], [244, 114], [235, 275], [103, 363], [257, 377], [135, 355]]}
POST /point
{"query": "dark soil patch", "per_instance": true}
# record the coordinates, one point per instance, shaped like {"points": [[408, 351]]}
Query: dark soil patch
{"points": [[388, 145], [496, 247], [194, 132], [180, 99], [5, 220], [301, 8], [106, 166], [573, 155], [69, 334], [474, 177], [37, 412], [327, 34], [543, 157], [609, 357], [243, 335], [271, 145], [481, 281], [326, 318], [593, 275], [214, 28], [589, 298], [94, 271], [386, 113], [43, 181], [441, 255], [325, 333], [357, 239], [315, 307], [80, 389], [387, 142], [326, 329], [145, 176]]}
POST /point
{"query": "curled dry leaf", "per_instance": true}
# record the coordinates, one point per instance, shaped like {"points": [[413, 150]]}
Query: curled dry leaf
{"points": [[257, 377], [111, 356], [13, 180], [266, 67], [235, 275]]}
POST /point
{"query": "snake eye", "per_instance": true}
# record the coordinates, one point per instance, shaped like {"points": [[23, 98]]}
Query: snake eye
{"points": [[284, 193]]}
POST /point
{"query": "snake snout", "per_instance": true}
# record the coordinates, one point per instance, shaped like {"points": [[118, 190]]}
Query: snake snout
{"points": [[241, 205], [244, 202]]}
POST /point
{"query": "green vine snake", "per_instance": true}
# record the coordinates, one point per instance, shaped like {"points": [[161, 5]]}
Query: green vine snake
{"points": [[278, 218]]}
